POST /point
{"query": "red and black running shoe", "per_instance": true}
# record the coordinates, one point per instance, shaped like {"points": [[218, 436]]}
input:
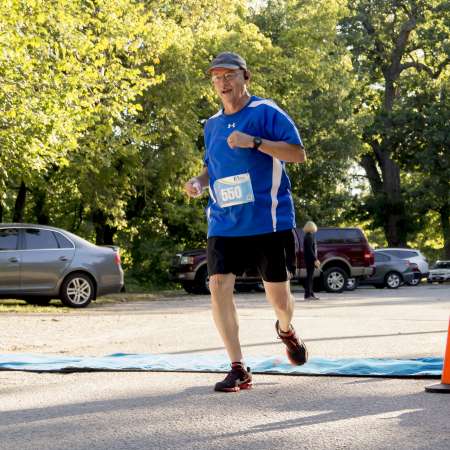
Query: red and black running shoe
{"points": [[296, 350], [238, 378]]}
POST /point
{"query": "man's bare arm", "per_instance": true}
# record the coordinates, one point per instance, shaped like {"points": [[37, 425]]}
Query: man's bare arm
{"points": [[283, 151], [278, 149]]}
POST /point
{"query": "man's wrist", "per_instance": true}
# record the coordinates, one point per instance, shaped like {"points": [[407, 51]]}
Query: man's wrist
{"points": [[257, 141], [194, 180]]}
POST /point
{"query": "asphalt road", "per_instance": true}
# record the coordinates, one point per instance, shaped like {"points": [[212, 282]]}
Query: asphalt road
{"points": [[180, 411]]}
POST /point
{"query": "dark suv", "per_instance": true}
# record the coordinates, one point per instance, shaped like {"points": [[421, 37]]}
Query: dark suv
{"points": [[343, 252]]}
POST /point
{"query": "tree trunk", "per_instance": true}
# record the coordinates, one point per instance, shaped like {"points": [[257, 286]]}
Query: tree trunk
{"points": [[19, 207], [384, 178], [383, 173], [444, 214], [40, 213], [104, 233], [394, 208]]}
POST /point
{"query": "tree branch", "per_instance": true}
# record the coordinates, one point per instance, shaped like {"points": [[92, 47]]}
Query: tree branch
{"points": [[417, 65], [441, 67], [400, 46], [369, 165]]}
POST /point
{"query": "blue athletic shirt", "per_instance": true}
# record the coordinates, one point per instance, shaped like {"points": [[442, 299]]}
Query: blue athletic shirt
{"points": [[269, 206]]}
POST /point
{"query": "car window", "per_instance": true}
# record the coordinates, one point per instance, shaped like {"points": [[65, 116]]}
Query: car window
{"points": [[442, 265], [379, 257], [409, 254], [390, 252], [8, 238], [36, 239], [330, 236], [402, 254], [352, 236], [396, 253], [63, 242]]}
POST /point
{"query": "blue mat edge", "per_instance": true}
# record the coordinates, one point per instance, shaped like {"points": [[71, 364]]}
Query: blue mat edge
{"points": [[68, 371], [330, 373]]}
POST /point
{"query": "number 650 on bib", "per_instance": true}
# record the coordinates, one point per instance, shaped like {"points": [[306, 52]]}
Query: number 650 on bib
{"points": [[234, 190]]}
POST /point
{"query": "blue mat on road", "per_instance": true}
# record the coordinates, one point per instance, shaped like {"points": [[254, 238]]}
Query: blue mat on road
{"points": [[368, 367]]}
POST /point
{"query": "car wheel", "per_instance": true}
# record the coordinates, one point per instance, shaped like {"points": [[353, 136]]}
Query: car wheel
{"points": [[77, 290], [38, 301], [335, 279], [352, 284], [414, 282], [201, 281], [393, 280]]}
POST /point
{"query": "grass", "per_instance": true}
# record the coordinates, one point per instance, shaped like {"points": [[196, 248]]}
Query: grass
{"points": [[56, 307], [20, 306]]}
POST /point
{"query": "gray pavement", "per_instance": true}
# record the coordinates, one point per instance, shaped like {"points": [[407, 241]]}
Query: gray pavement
{"points": [[180, 410]]}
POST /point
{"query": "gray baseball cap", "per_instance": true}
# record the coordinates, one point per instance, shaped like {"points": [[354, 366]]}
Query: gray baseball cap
{"points": [[228, 60]]}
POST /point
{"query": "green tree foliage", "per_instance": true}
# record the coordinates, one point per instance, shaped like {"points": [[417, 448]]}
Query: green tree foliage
{"points": [[392, 41], [102, 103], [422, 134], [311, 78], [70, 78], [174, 111]]}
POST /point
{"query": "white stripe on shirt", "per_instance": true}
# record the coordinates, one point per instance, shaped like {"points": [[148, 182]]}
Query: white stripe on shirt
{"points": [[218, 113], [272, 104], [277, 171]]}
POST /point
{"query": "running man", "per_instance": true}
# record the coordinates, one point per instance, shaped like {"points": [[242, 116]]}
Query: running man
{"points": [[250, 211]]}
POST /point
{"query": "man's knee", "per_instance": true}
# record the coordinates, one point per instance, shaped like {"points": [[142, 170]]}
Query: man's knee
{"points": [[220, 284]]}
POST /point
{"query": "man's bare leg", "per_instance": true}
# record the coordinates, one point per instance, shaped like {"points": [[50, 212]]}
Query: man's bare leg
{"points": [[225, 314], [280, 297]]}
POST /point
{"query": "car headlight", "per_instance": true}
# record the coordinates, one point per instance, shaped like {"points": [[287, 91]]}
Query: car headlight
{"points": [[187, 260]]}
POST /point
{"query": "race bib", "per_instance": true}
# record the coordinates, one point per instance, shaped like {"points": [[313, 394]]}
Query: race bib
{"points": [[235, 190]]}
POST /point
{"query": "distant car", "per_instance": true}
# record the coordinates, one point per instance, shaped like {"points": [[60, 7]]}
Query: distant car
{"points": [[38, 263], [439, 272], [390, 272], [343, 253], [412, 255]]}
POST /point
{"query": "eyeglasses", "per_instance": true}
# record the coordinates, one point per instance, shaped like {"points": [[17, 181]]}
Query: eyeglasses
{"points": [[225, 77]]}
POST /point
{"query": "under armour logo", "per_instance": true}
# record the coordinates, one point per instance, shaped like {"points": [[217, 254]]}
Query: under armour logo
{"points": [[231, 125]]}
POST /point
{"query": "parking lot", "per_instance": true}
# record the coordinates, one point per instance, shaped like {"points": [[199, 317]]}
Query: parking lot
{"points": [[180, 410]]}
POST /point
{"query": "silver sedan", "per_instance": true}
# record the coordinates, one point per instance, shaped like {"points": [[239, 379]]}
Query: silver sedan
{"points": [[38, 263]]}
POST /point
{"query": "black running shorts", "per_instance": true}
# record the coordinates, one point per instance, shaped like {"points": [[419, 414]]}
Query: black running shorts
{"points": [[272, 254]]}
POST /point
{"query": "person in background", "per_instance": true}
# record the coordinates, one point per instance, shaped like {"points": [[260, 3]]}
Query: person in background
{"points": [[310, 255]]}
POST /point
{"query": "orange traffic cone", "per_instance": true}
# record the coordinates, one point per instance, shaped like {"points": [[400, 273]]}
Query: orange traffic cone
{"points": [[444, 386]]}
